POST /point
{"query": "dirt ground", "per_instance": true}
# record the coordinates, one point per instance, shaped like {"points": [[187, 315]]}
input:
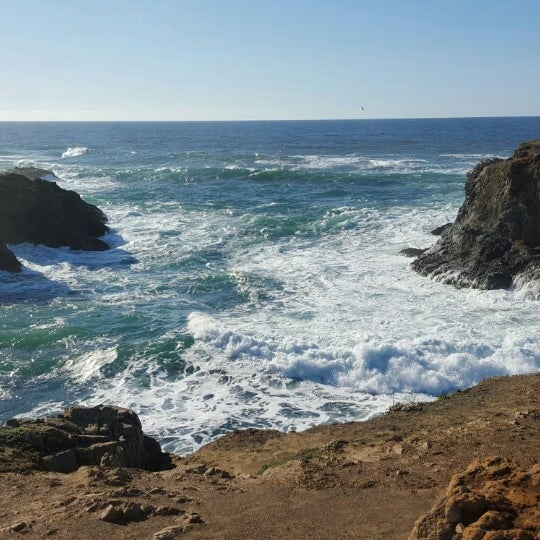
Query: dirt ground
{"points": [[363, 480]]}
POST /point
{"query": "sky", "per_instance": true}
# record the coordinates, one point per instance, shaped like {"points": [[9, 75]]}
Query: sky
{"points": [[268, 59]]}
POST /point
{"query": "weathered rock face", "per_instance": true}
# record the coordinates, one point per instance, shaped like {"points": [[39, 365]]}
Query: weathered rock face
{"points": [[496, 235], [490, 499], [41, 212], [102, 435]]}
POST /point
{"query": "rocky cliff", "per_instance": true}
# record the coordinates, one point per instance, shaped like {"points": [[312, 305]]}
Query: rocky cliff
{"points": [[496, 235]]}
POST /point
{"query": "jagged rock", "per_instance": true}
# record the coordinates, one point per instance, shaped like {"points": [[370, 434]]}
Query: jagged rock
{"points": [[112, 514], [94, 454], [174, 531], [437, 231], [8, 261], [133, 511], [153, 456], [218, 473], [193, 517], [116, 439], [19, 527], [166, 511], [411, 252], [46, 439], [490, 499], [496, 235], [64, 461], [196, 469], [40, 212], [111, 459], [124, 512]]}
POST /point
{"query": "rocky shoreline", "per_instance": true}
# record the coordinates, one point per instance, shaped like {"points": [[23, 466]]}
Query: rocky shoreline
{"points": [[462, 467]]}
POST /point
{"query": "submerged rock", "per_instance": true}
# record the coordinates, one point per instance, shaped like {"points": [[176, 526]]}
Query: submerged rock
{"points": [[496, 235], [437, 231], [102, 435], [40, 212]]}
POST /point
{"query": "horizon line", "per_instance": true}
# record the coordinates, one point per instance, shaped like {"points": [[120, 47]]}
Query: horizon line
{"points": [[273, 119]]}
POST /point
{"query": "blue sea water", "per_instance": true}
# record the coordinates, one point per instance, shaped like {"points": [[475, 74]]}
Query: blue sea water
{"points": [[254, 278]]}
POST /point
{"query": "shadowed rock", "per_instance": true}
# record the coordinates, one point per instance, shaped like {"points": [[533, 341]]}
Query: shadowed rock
{"points": [[411, 252], [437, 231], [496, 235], [8, 261], [40, 212]]}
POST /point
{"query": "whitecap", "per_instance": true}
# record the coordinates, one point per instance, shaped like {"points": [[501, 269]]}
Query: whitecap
{"points": [[477, 157], [75, 151], [89, 365]]}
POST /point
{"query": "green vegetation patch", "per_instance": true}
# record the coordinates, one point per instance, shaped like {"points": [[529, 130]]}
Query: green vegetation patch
{"points": [[275, 463], [13, 437], [304, 456]]}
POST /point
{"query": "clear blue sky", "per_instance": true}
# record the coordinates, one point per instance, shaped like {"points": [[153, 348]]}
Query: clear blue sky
{"points": [[268, 59]]}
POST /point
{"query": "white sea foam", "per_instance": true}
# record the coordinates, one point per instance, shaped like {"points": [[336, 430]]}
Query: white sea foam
{"points": [[74, 151], [475, 157], [93, 181], [331, 327], [359, 164], [348, 330], [89, 365], [49, 177], [527, 287]]}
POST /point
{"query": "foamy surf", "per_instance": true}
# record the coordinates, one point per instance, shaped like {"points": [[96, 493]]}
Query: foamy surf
{"points": [[254, 279], [74, 151]]}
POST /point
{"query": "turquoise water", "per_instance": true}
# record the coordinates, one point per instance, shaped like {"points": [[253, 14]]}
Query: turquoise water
{"points": [[253, 278]]}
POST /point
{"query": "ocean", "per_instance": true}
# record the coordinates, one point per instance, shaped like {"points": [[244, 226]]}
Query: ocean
{"points": [[254, 278]]}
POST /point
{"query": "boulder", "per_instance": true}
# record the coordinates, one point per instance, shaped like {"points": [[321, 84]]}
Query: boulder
{"points": [[40, 212], [496, 235], [101, 435]]}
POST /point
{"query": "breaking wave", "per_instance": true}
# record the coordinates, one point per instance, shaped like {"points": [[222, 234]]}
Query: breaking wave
{"points": [[74, 151]]}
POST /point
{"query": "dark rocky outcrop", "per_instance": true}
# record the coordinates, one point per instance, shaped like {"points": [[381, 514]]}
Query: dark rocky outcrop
{"points": [[8, 261], [102, 435], [40, 212], [437, 231], [411, 252], [496, 235]]}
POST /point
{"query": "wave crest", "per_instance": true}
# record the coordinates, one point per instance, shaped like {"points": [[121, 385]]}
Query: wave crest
{"points": [[75, 151]]}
